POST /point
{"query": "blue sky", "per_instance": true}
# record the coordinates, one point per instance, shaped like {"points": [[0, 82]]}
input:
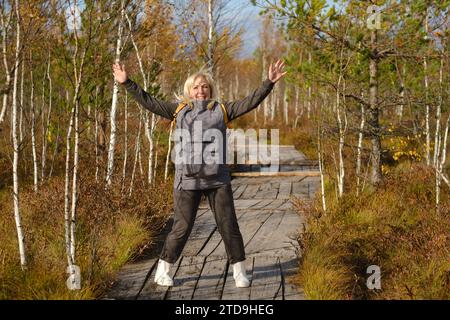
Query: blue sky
{"points": [[251, 22]]}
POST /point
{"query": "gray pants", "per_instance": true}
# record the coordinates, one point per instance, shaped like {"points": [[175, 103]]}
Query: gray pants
{"points": [[186, 203]]}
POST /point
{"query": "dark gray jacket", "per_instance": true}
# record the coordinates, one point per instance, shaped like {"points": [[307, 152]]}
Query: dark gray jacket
{"points": [[194, 177]]}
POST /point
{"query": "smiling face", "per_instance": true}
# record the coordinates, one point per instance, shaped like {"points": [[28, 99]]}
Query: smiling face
{"points": [[200, 90]]}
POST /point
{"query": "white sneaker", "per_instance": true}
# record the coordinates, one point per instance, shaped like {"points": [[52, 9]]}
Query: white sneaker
{"points": [[240, 275], [162, 276]]}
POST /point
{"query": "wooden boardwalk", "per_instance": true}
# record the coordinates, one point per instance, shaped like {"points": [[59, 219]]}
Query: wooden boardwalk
{"points": [[269, 226]]}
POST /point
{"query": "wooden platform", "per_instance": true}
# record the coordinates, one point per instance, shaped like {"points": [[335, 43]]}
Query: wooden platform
{"points": [[269, 226]]}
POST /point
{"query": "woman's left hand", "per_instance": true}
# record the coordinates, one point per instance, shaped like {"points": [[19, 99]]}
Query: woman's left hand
{"points": [[276, 71]]}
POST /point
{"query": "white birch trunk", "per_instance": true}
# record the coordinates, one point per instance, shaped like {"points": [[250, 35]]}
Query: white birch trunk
{"points": [[438, 118], [18, 220], [274, 102], [67, 220], [359, 148], [5, 63], [210, 62], [33, 135], [440, 165], [341, 170], [21, 105], [286, 105], [402, 94], [73, 210], [113, 134], [97, 168], [96, 146], [427, 107], [136, 154], [149, 125], [78, 72], [321, 168], [47, 124], [125, 157], [263, 75]]}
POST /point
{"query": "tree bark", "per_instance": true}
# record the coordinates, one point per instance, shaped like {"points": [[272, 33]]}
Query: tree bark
{"points": [[5, 63], [113, 134], [17, 216]]}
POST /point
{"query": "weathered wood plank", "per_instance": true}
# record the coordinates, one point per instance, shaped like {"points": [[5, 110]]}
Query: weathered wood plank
{"points": [[130, 280], [249, 224], [239, 191], [250, 192], [280, 174], [186, 278], [210, 284], [285, 190], [275, 204], [267, 282], [286, 233], [230, 291], [245, 203], [200, 235], [215, 239], [270, 225], [261, 205], [152, 291]]}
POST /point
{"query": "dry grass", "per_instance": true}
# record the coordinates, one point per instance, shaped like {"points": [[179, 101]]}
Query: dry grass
{"points": [[111, 230], [393, 226]]}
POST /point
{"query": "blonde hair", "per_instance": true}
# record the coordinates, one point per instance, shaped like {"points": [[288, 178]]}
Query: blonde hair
{"points": [[190, 83]]}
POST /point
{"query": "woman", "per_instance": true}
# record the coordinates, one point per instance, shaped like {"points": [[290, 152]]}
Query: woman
{"points": [[192, 179]]}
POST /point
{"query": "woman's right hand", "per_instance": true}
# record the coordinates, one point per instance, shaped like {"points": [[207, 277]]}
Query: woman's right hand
{"points": [[120, 74]]}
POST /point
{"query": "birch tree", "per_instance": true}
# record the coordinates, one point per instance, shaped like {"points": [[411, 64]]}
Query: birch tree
{"points": [[5, 25], [17, 216], [112, 138]]}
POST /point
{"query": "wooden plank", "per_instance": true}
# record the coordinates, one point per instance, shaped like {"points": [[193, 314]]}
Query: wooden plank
{"points": [[275, 204], [239, 191], [211, 281], [245, 203], [266, 282], [249, 224], [130, 280], [287, 205], [186, 278], [259, 241], [230, 291], [261, 205], [286, 232], [276, 174], [215, 239], [250, 192], [200, 235], [152, 291], [285, 190], [300, 189]]}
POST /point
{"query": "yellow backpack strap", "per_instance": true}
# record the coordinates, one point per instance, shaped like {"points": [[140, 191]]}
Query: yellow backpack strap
{"points": [[177, 110], [225, 114]]}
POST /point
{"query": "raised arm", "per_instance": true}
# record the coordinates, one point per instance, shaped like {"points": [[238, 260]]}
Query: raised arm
{"points": [[238, 108], [161, 108]]}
